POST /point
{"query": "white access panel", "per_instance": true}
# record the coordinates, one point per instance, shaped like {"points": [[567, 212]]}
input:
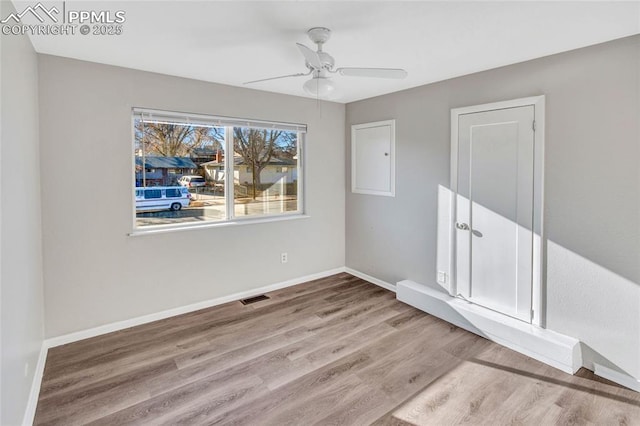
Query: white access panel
{"points": [[373, 158]]}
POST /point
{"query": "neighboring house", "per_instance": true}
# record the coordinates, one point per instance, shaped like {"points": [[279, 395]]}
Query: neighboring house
{"points": [[204, 155], [278, 170], [162, 170]]}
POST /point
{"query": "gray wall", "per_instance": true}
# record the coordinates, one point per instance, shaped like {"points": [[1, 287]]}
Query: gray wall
{"points": [[592, 184], [94, 273], [21, 307]]}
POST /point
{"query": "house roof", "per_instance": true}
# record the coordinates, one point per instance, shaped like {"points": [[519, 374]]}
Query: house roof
{"points": [[155, 162], [239, 161], [201, 152]]}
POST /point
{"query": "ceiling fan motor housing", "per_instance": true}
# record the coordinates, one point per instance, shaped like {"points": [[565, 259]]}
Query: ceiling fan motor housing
{"points": [[319, 35], [326, 59]]}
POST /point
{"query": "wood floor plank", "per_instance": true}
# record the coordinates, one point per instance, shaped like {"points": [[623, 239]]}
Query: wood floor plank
{"points": [[334, 351], [323, 355], [202, 324], [313, 406], [361, 406], [341, 280], [309, 385], [444, 401], [232, 338], [528, 404], [177, 404], [196, 345], [99, 399]]}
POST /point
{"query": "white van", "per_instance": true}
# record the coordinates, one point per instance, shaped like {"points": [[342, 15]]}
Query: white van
{"points": [[162, 197]]}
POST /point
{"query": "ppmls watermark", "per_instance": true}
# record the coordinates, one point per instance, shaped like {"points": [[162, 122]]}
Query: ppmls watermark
{"points": [[61, 20]]}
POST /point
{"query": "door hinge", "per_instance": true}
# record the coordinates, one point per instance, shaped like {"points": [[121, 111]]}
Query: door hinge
{"points": [[533, 126]]}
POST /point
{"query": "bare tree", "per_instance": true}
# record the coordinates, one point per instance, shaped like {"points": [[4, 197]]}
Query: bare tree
{"points": [[257, 147], [287, 146], [176, 140]]}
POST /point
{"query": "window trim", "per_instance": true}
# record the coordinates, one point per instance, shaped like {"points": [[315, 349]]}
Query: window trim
{"points": [[160, 116], [228, 124], [240, 221]]}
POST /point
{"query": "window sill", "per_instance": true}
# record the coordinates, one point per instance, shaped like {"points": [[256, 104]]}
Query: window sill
{"points": [[162, 229]]}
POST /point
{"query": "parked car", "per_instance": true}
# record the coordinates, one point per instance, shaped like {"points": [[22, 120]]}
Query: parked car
{"points": [[191, 181], [161, 198]]}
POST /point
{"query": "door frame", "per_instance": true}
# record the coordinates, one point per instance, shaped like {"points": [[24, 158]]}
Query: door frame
{"points": [[537, 288]]}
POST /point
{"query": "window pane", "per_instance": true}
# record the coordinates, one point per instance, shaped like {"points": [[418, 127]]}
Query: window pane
{"points": [[173, 193], [152, 193], [187, 162], [265, 171]]}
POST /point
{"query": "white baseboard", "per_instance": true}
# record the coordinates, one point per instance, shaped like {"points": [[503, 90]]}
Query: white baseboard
{"points": [[32, 402], [121, 325], [371, 279], [617, 377], [555, 349]]}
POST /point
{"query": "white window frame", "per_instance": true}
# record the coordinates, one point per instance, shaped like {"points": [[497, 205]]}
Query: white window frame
{"points": [[228, 123]]}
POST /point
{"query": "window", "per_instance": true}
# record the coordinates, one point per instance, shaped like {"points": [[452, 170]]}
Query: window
{"points": [[152, 193], [173, 193], [189, 157]]}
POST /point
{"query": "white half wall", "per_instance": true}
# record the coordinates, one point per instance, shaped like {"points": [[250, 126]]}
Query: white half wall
{"points": [[94, 273], [21, 307]]}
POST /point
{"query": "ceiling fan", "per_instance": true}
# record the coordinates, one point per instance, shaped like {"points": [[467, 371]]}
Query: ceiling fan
{"points": [[320, 66]]}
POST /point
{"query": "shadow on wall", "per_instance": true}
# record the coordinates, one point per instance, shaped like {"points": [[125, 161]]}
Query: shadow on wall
{"points": [[505, 246], [595, 357], [595, 305], [582, 299]]}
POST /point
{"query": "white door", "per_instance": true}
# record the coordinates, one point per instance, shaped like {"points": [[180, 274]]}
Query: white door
{"points": [[494, 209]]}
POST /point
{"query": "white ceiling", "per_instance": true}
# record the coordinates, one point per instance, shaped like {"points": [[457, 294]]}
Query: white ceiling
{"points": [[233, 42]]}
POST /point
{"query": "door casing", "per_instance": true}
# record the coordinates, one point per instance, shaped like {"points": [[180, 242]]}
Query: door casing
{"points": [[538, 102]]}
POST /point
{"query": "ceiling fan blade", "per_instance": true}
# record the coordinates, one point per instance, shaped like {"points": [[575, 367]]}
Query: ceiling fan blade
{"points": [[300, 74], [311, 56], [373, 72]]}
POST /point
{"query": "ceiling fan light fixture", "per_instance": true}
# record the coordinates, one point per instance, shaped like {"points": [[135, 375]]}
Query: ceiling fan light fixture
{"points": [[322, 87], [320, 65]]}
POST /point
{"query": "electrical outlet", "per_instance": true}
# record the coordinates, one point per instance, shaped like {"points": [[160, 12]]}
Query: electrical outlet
{"points": [[284, 258], [442, 277]]}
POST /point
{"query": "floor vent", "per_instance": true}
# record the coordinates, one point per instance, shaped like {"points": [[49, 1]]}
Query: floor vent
{"points": [[254, 299]]}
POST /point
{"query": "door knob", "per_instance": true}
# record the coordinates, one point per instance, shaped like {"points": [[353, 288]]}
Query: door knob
{"points": [[462, 226]]}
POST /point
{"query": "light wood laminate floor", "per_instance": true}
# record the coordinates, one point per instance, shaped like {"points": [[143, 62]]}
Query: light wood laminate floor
{"points": [[335, 351]]}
